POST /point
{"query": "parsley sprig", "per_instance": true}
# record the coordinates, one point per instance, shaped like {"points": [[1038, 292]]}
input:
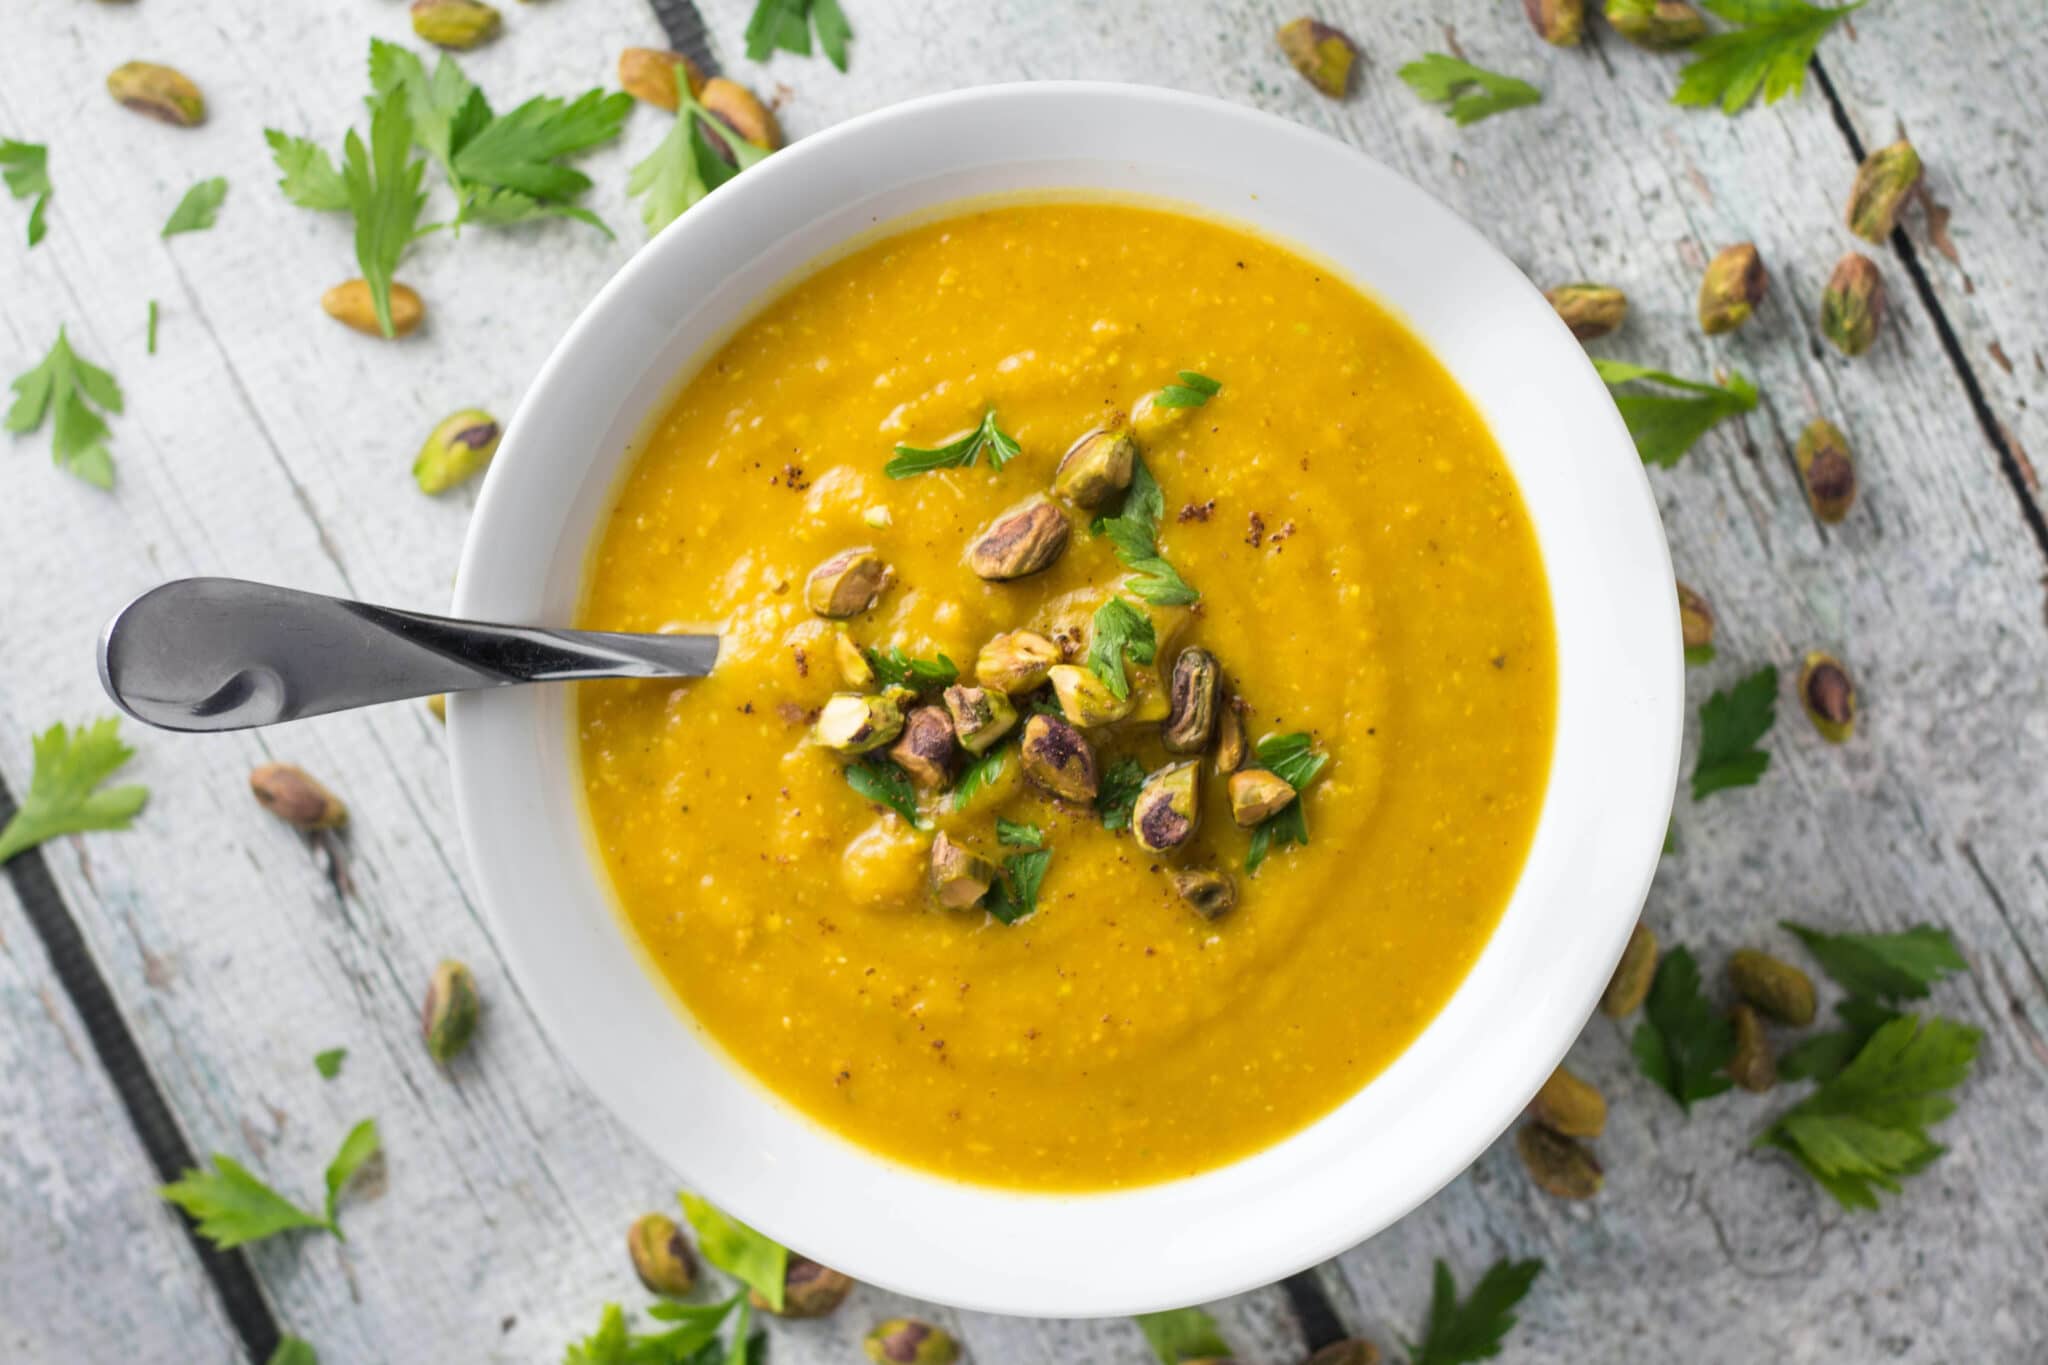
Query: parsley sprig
{"points": [[1731, 723], [1015, 893], [686, 165], [65, 795], [1877, 970], [1294, 760], [1180, 1334], [787, 24], [1461, 1333], [692, 1341], [1769, 52], [1683, 1042], [738, 1250], [1120, 629], [25, 166], [1000, 446], [886, 784], [1134, 534], [199, 209], [986, 768], [73, 393], [1192, 391], [897, 669], [232, 1206], [1665, 427], [1118, 793], [1472, 92]]}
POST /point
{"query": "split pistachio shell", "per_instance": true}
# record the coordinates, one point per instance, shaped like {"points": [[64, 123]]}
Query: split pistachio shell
{"points": [[1569, 1105], [1560, 23], [1782, 991], [1590, 310], [1884, 180], [448, 1015], [457, 449], [1630, 984], [1256, 795], [661, 1257], [1098, 466], [1084, 698], [295, 798], [1168, 809], [908, 1341], [1731, 288], [809, 1290], [1659, 25], [847, 584], [350, 303], [1206, 891], [1852, 307], [854, 723], [1826, 470], [1828, 697], [926, 749], [649, 74], [1016, 662], [981, 716], [1056, 758], [959, 876], [160, 92], [1020, 542], [1752, 1066], [1322, 54], [459, 24], [1559, 1165]]}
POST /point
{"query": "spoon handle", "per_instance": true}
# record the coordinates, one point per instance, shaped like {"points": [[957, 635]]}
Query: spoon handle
{"points": [[207, 654]]}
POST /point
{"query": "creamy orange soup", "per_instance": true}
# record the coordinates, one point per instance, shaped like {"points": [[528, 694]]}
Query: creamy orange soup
{"points": [[1368, 578]]}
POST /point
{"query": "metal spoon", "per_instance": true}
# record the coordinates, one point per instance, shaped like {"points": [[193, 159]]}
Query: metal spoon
{"points": [[222, 654]]}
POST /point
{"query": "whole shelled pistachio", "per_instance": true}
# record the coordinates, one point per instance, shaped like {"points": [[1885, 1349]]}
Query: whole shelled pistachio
{"points": [[1256, 795], [1731, 288], [1559, 1165], [160, 92], [449, 1014], [737, 107], [458, 24], [287, 792], [847, 584], [1323, 54], [981, 716], [958, 877], [908, 1341], [1560, 23], [1057, 759], [1659, 25], [1098, 466], [648, 74], [1883, 182], [1168, 808], [1630, 984], [926, 749], [809, 1290], [1084, 698], [350, 303], [1569, 1105], [1695, 619], [1752, 1066], [1020, 542], [1774, 986], [1852, 306], [1590, 310], [855, 723], [1828, 697], [1206, 891], [661, 1257], [1826, 470], [1016, 662], [1192, 694], [457, 448]]}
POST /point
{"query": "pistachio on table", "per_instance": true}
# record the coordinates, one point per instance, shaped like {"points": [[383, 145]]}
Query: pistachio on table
{"points": [[1828, 697], [448, 1015], [350, 303], [1826, 470], [847, 584], [1016, 662], [161, 92], [1020, 542], [855, 723], [1257, 795], [1569, 1105], [1085, 699], [460, 24], [1695, 619], [1731, 288], [1853, 304], [292, 796], [1192, 693], [809, 1290], [981, 716], [1322, 54], [1558, 22], [1884, 180], [1774, 986], [1057, 759], [926, 749], [1590, 310], [852, 662], [1208, 892], [1168, 808], [737, 107], [1630, 984], [1098, 466], [1751, 1066], [661, 1257], [908, 1341], [1559, 1165], [649, 74], [959, 876], [456, 449], [1657, 24]]}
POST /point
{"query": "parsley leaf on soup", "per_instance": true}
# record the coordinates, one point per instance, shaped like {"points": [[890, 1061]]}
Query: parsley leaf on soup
{"points": [[1134, 534], [1683, 1042], [1000, 446], [25, 166], [1121, 782], [1472, 92], [985, 768], [200, 207], [1768, 52], [231, 1206], [737, 1249], [1294, 760], [73, 393], [1895, 966], [1019, 835], [1015, 893], [1192, 391], [1461, 1333], [897, 669], [1731, 723], [885, 784], [1664, 426], [65, 795], [787, 24], [1182, 1334], [1120, 629]]}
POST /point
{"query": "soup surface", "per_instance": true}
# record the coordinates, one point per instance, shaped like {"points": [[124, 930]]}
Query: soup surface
{"points": [[1368, 576]]}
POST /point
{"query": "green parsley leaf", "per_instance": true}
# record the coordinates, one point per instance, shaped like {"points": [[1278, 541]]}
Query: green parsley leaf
{"points": [[786, 24], [1665, 427], [1182, 1334], [63, 795], [897, 669], [961, 454], [985, 768], [152, 327], [1015, 893], [1118, 793], [310, 180], [688, 1343], [1293, 759], [1698, 655], [685, 166], [1731, 723], [1823, 1055], [26, 168], [1192, 392], [1019, 835], [1769, 52], [1120, 629], [1460, 1333], [293, 1351], [199, 208], [447, 108], [384, 194], [522, 150], [737, 1249], [1898, 966], [885, 784], [1472, 92], [1683, 1042], [232, 1206], [328, 1063], [67, 387], [1865, 1128], [1134, 535]]}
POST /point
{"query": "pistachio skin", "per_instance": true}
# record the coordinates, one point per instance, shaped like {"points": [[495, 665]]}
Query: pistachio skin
{"points": [[908, 1341], [1778, 989], [1828, 696], [1695, 618], [738, 109], [1559, 1165], [1322, 54], [456, 449], [926, 749], [1168, 809], [847, 584], [1192, 694], [1826, 470], [1085, 700], [809, 1290], [1098, 466], [1207, 892], [1016, 662], [1057, 759], [1590, 310], [1570, 1105], [1022, 541], [959, 877], [1231, 745], [1731, 288], [1257, 795], [350, 303], [457, 24], [1883, 182], [1658, 25], [295, 798], [852, 723], [159, 92], [648, 74], [1852, 307], [981, 716], [1630, 984], [449, 1013], [854, 669], [1753, 1067], [1561, 23], [661, 1258]]}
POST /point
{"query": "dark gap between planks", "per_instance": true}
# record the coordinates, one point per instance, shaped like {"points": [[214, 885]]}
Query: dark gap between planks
{"points": [[686, 32], [121, 1058]]}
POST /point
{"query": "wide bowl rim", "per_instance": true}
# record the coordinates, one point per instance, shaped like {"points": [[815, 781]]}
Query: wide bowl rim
{"points": [[1203, 1264]]}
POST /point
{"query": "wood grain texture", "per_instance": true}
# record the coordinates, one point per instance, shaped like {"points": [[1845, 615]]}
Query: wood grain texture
{"points": [[264, 441]]}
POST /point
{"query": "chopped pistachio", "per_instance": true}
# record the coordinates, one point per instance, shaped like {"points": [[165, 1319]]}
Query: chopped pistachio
{"points": [[1208, 892], [1016, 662], [1884, 180], [1826, 470], [1020, 542], [1056, 758], [981, 716], [1560, 23], [852, 723], [1559, 1165], [661, 1258], [926, 749], [1569, 1105], [1852, 307], [1097, 466], [1775, 986], [1196, 684], [1590, 310], [1731, 288], [1084, 698], [852, 662], [1322, 54], [1231, 745], [877, 516], [1168, 808], [1753, 1067], [959, 876], [1828, 696], [1257, 795], [846, 584], [1630, 984]]}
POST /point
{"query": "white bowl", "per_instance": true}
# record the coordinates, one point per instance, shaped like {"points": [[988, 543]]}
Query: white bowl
{"points": [[1436, 1108]]}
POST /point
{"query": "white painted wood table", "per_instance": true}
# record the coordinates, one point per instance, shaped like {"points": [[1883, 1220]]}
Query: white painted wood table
{"points": [[208, 953]]}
